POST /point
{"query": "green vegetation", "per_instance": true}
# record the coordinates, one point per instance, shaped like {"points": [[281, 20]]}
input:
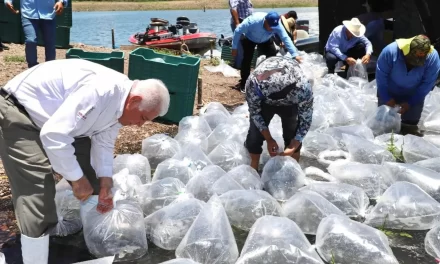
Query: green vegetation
{"points": [[14, 58], [398, 155], [391, 233]]}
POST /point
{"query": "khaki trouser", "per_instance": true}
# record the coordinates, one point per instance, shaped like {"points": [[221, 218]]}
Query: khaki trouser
{"points": [[29, 172]]}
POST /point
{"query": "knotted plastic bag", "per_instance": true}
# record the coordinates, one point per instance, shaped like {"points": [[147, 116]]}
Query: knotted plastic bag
{"points": [[174, 168], [210, 240], [126, 183], [158, 148], [194, 156], [417, 149], [215, 113], [384, 120], [365, 151], [358, 70], [69, 219], [159, 194], [167, 226], [119, 232], [136, 164], [224, 68], [356, 130], [426, 179], [201, 184], [432, 164], [315, 143], [214, 106], [372, 178], [277, 240], [432, 242], [195, 123], [180, 261], [282, 177], [350, 199], [405, 206], [243, 176], [244, 207], [341, 240], [433, 139], [192, 138], [307, 209], [234, 129], [432, 122], [230, 154]]}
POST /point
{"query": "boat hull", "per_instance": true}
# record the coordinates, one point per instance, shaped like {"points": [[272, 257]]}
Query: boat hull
{"points": [[196, 43]]}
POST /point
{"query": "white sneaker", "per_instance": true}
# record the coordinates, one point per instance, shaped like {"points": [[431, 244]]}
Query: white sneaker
{"points": [[35, 250]]}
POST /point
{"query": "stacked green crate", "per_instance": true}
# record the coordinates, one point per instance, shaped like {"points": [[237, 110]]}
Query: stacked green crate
{"points": [[113, 60], [64, 23], [179, 74], [11, 30], [226, 55]]}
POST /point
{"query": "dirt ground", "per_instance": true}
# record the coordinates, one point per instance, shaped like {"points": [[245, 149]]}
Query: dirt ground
{"points": [[216, 88]]}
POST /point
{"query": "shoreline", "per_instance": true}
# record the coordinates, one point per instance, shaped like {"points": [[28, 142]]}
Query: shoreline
{"points": [[90, 6]]}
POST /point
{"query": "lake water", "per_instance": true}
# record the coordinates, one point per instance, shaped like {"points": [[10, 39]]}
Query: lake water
{"points": [[94, 28]]}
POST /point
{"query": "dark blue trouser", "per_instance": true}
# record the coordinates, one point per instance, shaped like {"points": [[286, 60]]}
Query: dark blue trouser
{"points": [[410, 117], [47, 29], [357, 52]]}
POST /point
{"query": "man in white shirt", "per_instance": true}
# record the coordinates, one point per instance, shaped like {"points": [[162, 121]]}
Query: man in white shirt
{"points": [[63, 116]]}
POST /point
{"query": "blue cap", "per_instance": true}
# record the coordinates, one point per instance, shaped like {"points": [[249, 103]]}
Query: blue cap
{"points": [[272, 19]]}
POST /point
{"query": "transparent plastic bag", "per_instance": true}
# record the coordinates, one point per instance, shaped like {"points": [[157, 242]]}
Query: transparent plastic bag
{"points": [[358, 70], [244, 207], [230, 154], [174, 168], [307, 209], [68, 211], [433, 139], [136, 164], [359, 82], [243, 177], [372, 178], [315, 143], [242, 110], [106, 260], [350, 199], [389, 140], [432, 242], [224, 68], [192, 138], [210, 240], [119, 232], [215, 117], [384, 120], [345, 241], [167, 226], [126, 183], [432, 122], [195, 123], [232, 130], [158, 148], [277, 240], [159, 194], [356, 130], [180, 261], [404, 206], [194, 156], [432, 164], [214, 106], [365, 151], [426, 179], [201, 184], [282, 177], [416, 149]]}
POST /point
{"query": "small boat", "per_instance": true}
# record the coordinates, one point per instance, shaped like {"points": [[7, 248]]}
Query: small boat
{"points": [[161, 34]]}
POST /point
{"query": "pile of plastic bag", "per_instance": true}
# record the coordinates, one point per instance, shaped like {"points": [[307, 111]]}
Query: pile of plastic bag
{"points": [[196, 195]]}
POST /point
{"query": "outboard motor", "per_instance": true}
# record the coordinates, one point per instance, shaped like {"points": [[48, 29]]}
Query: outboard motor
{"points": [[193, 28], [173, 29]]}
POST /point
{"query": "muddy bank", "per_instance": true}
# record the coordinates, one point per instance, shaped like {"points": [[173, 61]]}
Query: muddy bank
{"points": [[182, 5]]}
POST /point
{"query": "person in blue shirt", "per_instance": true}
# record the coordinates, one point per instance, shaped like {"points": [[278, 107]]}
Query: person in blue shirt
{"points": [[406, 72], [347, 43], [258, 30], [38, 16]]}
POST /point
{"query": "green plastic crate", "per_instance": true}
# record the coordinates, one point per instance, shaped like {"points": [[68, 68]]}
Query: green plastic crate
{"points": [[113, 60], [226, 55], [181, 105], [179, 74], [62, 38], [11, 30]]}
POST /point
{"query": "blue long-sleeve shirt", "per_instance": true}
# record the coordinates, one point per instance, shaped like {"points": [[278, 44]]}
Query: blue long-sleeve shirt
{"points": [[394, 80], [38, 9], [339, 44], [253, 28]]}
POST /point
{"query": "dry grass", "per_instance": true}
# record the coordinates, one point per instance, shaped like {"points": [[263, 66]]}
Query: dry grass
{"points": [[182, 5]]}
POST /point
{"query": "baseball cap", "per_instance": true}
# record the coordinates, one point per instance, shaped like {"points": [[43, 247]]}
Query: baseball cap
{"points": [[272, 19]]}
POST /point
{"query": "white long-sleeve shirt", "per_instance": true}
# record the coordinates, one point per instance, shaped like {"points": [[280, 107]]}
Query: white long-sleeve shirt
{"points": [[74, 98]]}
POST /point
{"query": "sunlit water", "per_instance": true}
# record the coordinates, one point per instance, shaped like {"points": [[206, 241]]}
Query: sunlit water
{"points": [[94, 28]]}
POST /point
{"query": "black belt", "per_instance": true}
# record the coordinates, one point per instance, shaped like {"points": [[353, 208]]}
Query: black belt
{"points": [[11, 98]]}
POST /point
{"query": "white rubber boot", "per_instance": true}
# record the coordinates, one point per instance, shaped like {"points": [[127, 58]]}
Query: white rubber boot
{"points": [[35, 250]]}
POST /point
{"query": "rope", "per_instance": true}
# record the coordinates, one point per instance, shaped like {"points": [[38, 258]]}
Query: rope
{"points": [[182, 48]]}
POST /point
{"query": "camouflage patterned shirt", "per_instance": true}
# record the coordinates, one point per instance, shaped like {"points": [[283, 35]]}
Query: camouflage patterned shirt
{"points": [[272, 76]]}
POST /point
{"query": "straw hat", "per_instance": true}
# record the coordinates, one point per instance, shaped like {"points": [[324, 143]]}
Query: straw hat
{"points": [[355, 27], [289, 24]]}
